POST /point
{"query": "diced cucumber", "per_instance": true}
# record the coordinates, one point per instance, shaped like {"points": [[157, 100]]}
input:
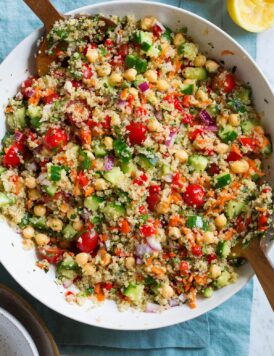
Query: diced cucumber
{"points": [[147, 162], [195, 73], [2, 169], [198, 162], [187, 89], [67, 269], [139, 64], [227, 134], [188, 50], [222, 180], [208, 292], [38, 222], [134, 292], [141, 37], [236, 105], [54, 173], [115, 176], [34, 112], [17, 119], [234, 207], [248, 125], [122, 150], [85, 159], [51, 189], [244, 95], [223, 249], [5, 200], [223, 280], [195, 221], [99, 150], [167, 34], [113, 211], [128, 167], [69, 232], [165, 169], [93, 202]]}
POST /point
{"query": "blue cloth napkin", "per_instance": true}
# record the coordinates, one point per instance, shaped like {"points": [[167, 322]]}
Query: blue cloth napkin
{"points": [[215, 333]]}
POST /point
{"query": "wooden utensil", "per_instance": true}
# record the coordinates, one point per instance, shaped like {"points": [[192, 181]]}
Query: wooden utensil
{"points": [[49, 15], [256, 256]]}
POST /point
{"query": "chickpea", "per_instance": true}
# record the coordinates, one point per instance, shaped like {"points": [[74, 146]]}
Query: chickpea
{"points": [[130, 262], [92, 55], [234, 120], [179, 38], [151, 76], [39, 210], [162, 85], [27, 244], [106, 260], [154, 125], [200, 60], [30, 182], [147, 23], [162, 208], [211, 66], [55, 224], [82, 259], [100, 184], [239, 167], [108, 142], [181, 156], [34, 194], [41, 239], [28, 232], [78, 225], [130, 74], [215, 271], [209, 237], [221, 148], [89, 269], [115, 79], [174, 233], [220, 221], [167, 291], [201, 95], [104, 70]]}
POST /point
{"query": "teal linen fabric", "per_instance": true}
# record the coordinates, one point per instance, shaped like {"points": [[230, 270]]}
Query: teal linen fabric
{"points": [[223, 331]]}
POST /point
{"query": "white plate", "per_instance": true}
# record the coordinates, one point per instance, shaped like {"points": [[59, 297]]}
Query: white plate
{"points": [[14, 338], [21, 264]]}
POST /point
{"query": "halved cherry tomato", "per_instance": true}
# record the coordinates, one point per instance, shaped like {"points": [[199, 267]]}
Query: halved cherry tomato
{"points": [[55, 138], [88, 241], [53, 254], [211, 257], [262, 222], [109, 42], [26, 88], [234, 156], [153, 196], [148, 230], [137, 133], [229, 83], [82, 179], [12, 155], [184, 268], [197, 250], [50, 98], [194, 195]]}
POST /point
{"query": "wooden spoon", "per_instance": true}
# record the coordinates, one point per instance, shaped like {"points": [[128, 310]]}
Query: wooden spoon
{"points": [[261, 265], [49, 15]]}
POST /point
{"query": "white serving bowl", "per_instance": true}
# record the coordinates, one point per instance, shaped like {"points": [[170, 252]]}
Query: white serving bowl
{"points": [[21, 264]]}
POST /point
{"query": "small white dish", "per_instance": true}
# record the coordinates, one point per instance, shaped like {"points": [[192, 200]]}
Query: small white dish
{"points": [[14, 338], [21, 264]]}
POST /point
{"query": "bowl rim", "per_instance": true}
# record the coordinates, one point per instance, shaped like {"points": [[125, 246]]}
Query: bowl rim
{"points": [[250, 273]]}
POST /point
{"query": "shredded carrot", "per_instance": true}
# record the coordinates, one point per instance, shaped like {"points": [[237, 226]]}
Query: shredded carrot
{"points": [[9, 109], [252, 164], [98, 291], [143, 99], [89, 191], [149, 261], [175, 197], [227, 52], [201, 280], [157, 270], [104, 237], [171, 75], [177, 64], [175, 220], [229, 234], [86, 136], [64, 207]]}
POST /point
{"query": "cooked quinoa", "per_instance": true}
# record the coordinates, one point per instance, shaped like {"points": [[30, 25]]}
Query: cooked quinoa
{"points": [[134, 165]]}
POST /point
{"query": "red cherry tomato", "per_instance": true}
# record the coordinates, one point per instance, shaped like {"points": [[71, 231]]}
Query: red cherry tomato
{"points": [[153, 196], [184, 268], [211, 257], [26, 88], [234, 156], [194, 195], [12, 156], [213, 169], [123, 50], [229, 83], [88, 241], [82, 179], [186, 101], [53, 254], [262, 222], [137, 133], [148, 230], [197, 250], [157, 31], [50, 98], [55, 138], [108, 286], [109, 42]]}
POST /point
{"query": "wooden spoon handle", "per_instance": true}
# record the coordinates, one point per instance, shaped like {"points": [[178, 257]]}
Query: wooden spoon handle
{"points": [[263, 270], [45, 11]]}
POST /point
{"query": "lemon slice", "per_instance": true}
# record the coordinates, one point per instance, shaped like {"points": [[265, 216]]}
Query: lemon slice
{"points": [[252, 15]]}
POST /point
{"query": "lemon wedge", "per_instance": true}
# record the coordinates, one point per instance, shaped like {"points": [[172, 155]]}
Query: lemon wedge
{"points": [[252, 15]]}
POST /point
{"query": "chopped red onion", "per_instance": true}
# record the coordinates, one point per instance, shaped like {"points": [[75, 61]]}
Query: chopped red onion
{"points": [[160, 26], [169, 142], [109, 163], [143, 86], [142, 250], [182, 297], [159, 115], [174, 302], [154, 244], [18, 136], [152, 308], [139, 261], [121, 104], [212, 128], [206, 118]]}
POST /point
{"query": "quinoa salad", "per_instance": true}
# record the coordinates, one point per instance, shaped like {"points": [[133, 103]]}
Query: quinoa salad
{"points": [[135, 165]]}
